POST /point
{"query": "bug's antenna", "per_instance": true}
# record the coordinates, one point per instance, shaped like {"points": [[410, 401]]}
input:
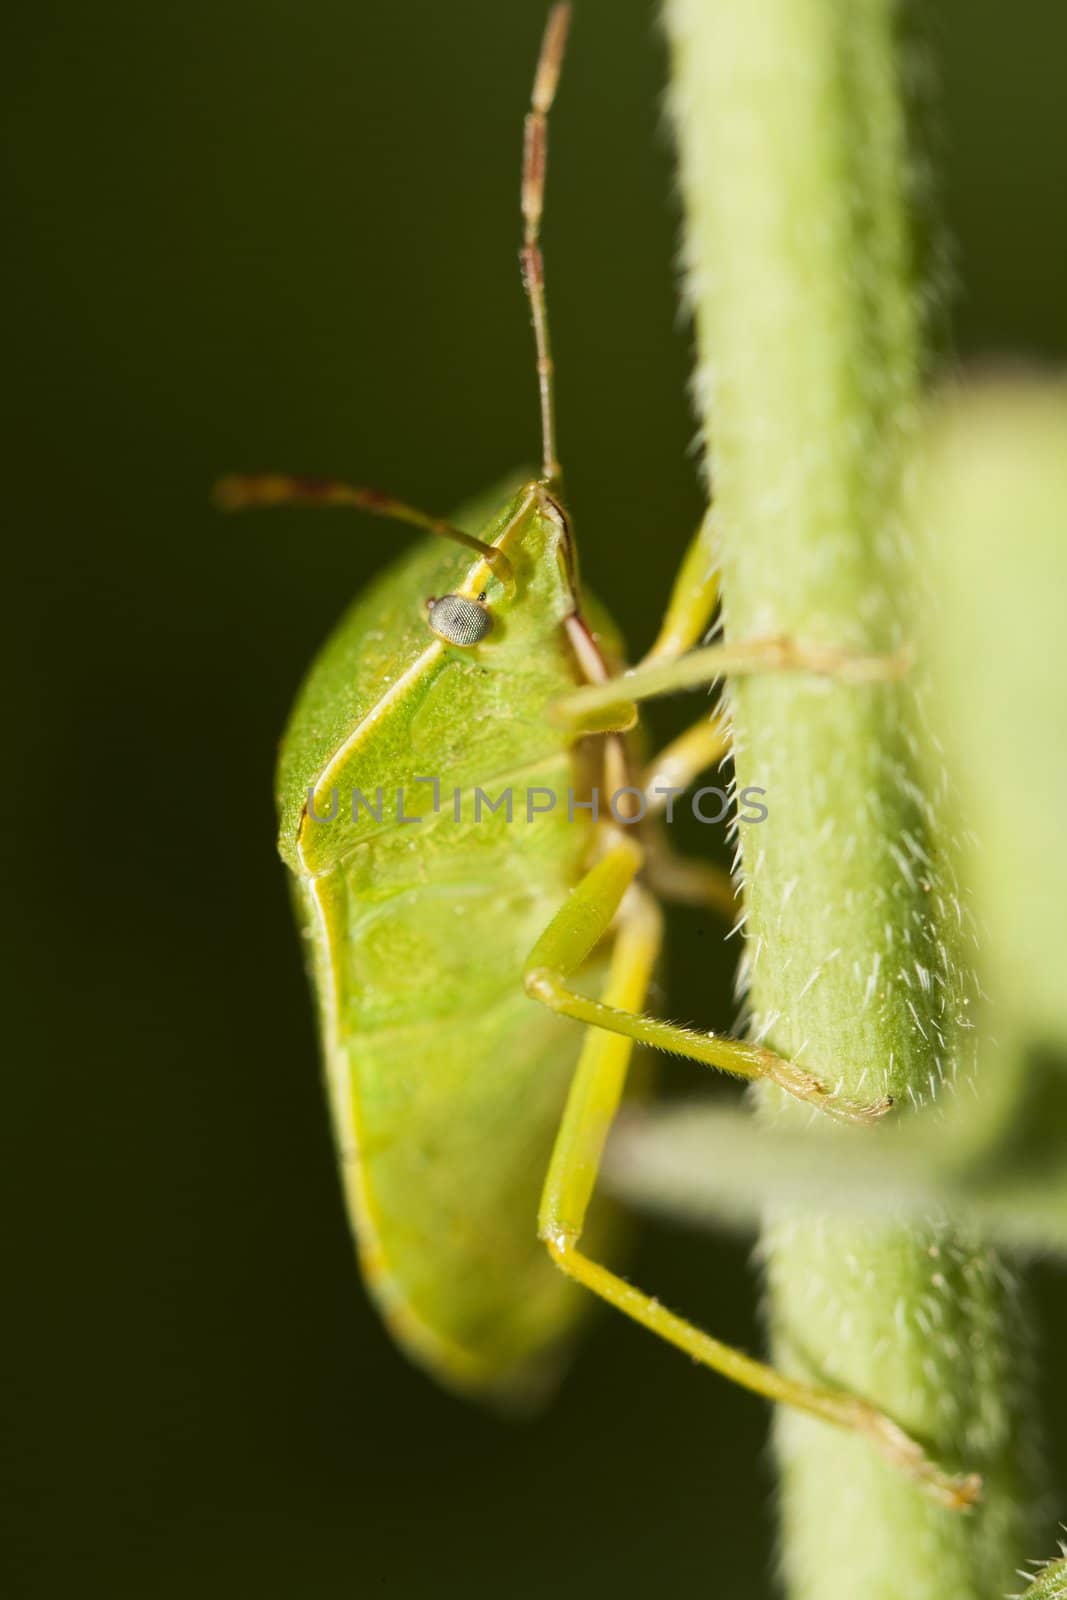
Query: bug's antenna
{"points": [[535, 156], [256, 492]]}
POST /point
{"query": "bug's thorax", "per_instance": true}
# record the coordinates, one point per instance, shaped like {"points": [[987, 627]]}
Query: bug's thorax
{"points": [[535, 589], [537, 607]]}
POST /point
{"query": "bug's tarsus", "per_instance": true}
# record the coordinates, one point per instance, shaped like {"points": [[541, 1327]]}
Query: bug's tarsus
{"points": [[535, 157], [240, 492]]}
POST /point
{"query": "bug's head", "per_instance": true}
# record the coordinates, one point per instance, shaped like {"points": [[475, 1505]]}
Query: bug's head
{"points": [[510, 603]]}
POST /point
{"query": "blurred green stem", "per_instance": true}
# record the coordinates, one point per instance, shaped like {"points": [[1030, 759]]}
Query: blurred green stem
{"points": [[712, 1167], [801, 193]]}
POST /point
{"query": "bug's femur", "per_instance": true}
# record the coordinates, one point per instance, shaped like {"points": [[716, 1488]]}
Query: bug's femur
{"points": [[458, 620]]}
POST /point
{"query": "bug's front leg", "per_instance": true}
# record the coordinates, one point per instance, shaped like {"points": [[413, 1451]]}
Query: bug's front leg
{"points": [[590, 708], [593, 1100], [672, 664]]}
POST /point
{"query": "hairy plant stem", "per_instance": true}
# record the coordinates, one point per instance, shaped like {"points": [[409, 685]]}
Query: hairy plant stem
{"points": [[801, 194], [1050, 1583]]}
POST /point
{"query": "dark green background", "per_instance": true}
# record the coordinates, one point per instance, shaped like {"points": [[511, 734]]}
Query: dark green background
{"points": [[282, 234]]}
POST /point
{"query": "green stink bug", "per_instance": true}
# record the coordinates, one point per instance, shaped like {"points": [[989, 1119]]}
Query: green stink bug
{"points": [[472, 836]]}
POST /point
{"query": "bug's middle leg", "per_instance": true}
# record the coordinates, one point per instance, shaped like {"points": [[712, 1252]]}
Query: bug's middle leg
{"points": [[576, 930], [682, 879], [591, 1105], [693, 599]]}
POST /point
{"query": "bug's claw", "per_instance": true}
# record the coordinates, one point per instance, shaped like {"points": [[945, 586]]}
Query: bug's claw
{"points": [[956, 1492], [865, 1113], [959, 1494], [813, 1090]]}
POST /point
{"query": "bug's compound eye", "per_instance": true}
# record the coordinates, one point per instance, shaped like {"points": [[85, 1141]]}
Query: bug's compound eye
{"points": [[458, 620]]}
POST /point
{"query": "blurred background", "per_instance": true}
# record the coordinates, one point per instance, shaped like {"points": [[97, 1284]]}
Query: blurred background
{"points": [[281, 235]]}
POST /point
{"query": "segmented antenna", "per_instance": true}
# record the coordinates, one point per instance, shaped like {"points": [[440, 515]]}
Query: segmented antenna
{"points": [[535, 157], [243, 492]]}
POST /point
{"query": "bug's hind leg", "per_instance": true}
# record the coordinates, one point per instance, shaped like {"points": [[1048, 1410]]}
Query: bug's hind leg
{"points": [[577, 928], [591, 1105]]}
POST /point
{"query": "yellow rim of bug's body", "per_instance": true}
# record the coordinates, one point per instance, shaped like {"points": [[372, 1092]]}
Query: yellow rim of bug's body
{"points": [[442, 1356]]}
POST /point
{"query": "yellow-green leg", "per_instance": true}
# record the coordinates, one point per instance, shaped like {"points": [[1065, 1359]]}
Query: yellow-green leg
{"points": [[578, 927], [597, 705], [674, 877], [693, 599], [591, 1106], [684, 759]]}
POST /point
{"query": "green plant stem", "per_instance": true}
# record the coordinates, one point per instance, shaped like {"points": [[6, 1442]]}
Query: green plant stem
{"points": [[799, 194], [1049, 1584]]}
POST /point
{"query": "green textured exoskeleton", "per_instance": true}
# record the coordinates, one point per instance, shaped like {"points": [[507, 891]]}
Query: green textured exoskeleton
{"points": [[475, 851], [446, 1082]]}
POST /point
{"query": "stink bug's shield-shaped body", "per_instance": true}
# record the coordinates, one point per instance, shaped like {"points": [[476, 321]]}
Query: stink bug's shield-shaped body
{"points": [[455, 893], [446, 1082]]}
